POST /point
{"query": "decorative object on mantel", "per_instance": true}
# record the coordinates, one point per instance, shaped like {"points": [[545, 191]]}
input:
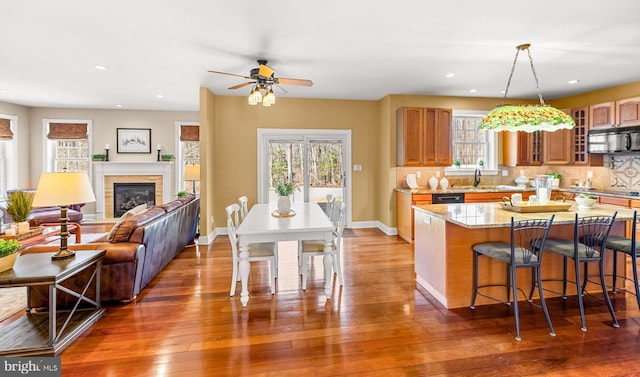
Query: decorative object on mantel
{"points": [[8, 253], [527, 118], [98, 157], [19, 204], [167, 157], [63, 189], [284, 190], [106, 152], [159, 148]]}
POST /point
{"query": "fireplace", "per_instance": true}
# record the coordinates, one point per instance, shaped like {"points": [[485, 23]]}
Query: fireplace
{"points": [[129, 195]]}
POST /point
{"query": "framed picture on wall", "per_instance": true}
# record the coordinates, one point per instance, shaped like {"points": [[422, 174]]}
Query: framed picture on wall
{"points": [[134, 140]]}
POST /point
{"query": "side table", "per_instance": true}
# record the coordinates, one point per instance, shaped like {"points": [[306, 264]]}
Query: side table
{"points": [[49, 333]]}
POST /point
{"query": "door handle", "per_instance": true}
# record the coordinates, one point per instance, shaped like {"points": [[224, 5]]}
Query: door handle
{"points": [[627, 141]]}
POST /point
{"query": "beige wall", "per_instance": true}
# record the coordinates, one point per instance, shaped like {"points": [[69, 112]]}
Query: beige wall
{"points": [[24, 142]]}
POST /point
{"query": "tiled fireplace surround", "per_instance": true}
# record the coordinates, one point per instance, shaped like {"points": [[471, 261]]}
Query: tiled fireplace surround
{"points": [[105, 174], [620, 172]]}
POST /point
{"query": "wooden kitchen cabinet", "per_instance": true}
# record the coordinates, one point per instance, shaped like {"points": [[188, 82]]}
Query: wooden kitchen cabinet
{"points": [[423, 136], [557, 147], [602, 115], [581, 156], [522, 148], [628, 112], [405, 212]]}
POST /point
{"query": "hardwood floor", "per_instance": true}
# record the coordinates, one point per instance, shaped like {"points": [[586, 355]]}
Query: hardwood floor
{"points": [[378, 324]]}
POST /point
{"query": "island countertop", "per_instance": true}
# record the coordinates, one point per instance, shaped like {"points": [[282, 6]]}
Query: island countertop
{"points": [[492, 215]]}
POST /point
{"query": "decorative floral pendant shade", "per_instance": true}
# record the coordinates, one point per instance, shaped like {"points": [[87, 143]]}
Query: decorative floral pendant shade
{"points": [[527, 118]]}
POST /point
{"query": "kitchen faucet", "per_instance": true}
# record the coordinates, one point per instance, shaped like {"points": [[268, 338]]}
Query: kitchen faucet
{"points": [[476, 178]]}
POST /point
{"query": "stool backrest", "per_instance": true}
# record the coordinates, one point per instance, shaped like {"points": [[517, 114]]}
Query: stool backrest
{"points": [[592, 232], [527, 239]]}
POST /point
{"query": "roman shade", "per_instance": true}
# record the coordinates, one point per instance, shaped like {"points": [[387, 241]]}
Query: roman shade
{"points": [[5, 129], [189, 133], [59, 131]]}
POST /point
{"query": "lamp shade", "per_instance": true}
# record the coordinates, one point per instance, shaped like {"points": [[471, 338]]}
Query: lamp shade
{"points": [[192, 173], [63, 189], [526, 118]]}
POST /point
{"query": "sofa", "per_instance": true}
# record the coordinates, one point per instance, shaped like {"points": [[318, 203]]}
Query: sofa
{"points": [[44, 215], [138, 247]]}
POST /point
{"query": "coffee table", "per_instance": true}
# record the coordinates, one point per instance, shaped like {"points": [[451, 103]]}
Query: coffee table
{"points": [[46, 333]]}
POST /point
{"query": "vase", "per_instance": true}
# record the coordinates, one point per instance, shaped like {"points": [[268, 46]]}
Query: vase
{"points": [[23, 227], [284, 204], [7, 262]]}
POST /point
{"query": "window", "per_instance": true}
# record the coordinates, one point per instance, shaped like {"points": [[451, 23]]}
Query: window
{"points": [[67, 145], [8, 153], [470, 146], [188, 152]]}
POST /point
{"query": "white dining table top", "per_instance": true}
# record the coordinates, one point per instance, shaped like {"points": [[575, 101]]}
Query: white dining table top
{"points": [[308, 217]]}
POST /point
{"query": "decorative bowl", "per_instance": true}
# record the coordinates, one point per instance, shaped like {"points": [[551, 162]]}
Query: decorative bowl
{"points": [[585, 202]]}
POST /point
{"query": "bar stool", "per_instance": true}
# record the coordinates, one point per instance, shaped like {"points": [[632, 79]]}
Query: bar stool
{"points": [[619, 244], [524, 250], [587, 246]]}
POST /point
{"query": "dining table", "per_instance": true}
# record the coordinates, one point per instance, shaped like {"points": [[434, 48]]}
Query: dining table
{"points": [[263, 223]]}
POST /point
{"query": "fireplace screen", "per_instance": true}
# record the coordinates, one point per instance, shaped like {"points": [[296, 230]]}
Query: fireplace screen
{"points": [[129, 195]]}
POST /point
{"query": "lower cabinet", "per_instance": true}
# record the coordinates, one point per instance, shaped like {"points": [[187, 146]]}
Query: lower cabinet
{"points": [[404, 212]]}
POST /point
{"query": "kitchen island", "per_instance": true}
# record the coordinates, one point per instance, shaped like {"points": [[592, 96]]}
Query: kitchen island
{"points": [[444, 234]]}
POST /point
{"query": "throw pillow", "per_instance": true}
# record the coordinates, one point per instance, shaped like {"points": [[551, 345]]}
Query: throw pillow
{"points": [[130, 213]]}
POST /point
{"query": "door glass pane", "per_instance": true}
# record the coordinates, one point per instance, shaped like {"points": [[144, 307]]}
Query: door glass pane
{"points": [[325, 171], [285, 164]]}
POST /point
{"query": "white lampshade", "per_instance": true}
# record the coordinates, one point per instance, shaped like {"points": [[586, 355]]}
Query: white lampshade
{"points": [[63, 189], [192, 173]]}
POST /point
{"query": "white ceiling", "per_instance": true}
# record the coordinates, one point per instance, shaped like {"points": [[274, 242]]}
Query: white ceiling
{"points": [[350, 49]]}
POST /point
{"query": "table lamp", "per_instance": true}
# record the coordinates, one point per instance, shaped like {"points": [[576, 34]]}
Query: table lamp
{"points": [[192, 173], [63, 189]]}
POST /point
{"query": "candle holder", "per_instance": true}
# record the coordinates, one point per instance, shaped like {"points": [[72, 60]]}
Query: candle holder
{"points": [[106, 155], [159, 154]]}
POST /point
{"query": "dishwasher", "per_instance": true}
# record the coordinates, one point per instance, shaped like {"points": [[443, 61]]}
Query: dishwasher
{"points": [[447, 198]]}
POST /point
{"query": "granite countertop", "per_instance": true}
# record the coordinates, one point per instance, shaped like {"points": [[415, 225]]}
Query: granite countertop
{"points": [[491, 215]]}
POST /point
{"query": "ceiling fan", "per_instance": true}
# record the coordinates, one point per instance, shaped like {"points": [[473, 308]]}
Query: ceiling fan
{"points": [[263, 78]]}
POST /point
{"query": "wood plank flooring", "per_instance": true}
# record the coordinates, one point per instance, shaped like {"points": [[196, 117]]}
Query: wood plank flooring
{"points": [[378, 324]]}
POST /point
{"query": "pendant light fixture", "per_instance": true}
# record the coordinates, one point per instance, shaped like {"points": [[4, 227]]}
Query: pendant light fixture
{"points": [[527, 118]]}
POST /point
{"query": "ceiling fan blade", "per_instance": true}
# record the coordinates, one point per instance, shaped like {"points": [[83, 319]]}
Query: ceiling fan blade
{"points": [[241, 85], [230, 74], [301, 82], [279, 89], [265, 71]]}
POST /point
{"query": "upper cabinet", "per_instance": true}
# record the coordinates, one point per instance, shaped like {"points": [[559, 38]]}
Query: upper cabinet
{"points": [[602, 115], [569, 147], [557, 147], [423, 136], [628, 112]]}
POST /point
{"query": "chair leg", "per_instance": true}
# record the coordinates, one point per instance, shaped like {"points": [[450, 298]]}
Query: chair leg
{"points": [[534, 282], [475, 280], [543, 303], [508, 302], [275, 257], [579, 291], [603, 283], [584, 278], [337, 268], [274, 274], [300, 257], [634, 267], [304, 268], [514, 286], [234, 279], [615, 270]]}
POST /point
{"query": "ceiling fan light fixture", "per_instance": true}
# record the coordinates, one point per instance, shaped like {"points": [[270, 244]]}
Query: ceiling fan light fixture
{"points": [[527, 118], [270, 97]]}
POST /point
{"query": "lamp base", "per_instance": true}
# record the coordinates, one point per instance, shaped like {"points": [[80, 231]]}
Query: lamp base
{"points": [[63, 254]]}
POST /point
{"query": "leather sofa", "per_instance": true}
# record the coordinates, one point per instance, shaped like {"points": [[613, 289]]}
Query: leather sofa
{"points": [[138, 248]]}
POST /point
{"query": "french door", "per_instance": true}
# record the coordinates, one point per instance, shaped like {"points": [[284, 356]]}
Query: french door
{"points": [[316, 161]]}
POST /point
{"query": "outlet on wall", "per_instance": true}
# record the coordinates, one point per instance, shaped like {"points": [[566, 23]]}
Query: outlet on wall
{"points": [[418, 174]]}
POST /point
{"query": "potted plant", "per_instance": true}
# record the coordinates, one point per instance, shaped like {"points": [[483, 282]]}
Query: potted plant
{"points": [[182, 193], [8, 253], [457, 163], [481, 164], [284, 190], [19, 208], [167, 157], [98, 157], [556, 179]]}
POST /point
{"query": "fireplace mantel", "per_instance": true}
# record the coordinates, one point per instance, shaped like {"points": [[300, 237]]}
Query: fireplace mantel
{"points": [[103, 169]]}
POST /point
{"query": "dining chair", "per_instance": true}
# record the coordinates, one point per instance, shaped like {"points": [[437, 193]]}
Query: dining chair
{"points": [[264, 251], [524, 250], [590, 234], [331, 201], [244, 208], [312, 248], [629, 247]]}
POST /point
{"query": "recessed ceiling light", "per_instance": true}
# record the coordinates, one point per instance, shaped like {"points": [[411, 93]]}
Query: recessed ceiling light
{"points": [[503, 91], [473, 90], [100, 67], [4, 90], [573, 82], [118, 105], [159, 96], [450, 75]]}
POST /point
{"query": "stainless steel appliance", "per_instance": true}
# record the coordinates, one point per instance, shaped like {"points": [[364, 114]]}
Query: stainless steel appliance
{"points": [[614, 140]]}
